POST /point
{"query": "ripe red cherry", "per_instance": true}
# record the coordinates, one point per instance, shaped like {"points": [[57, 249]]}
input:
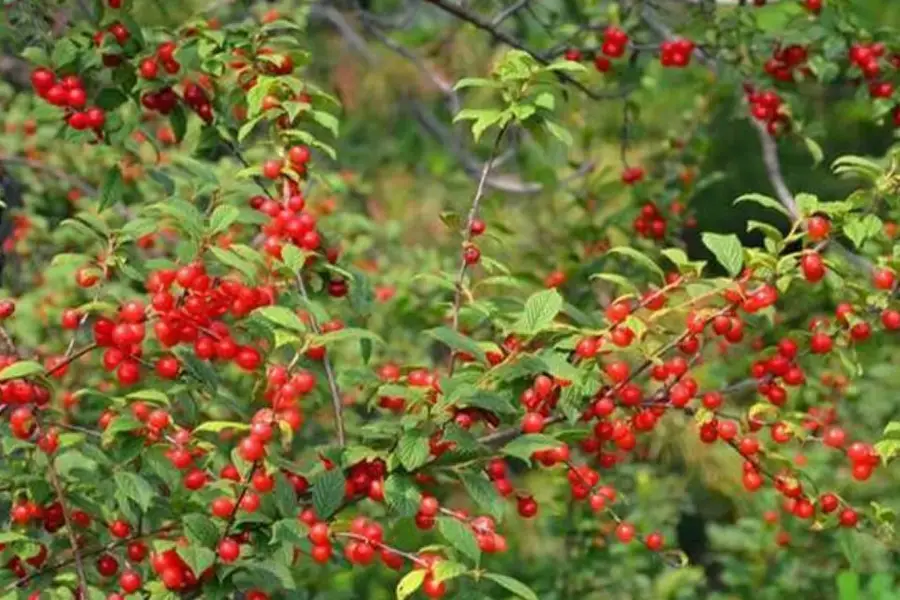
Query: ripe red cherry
{"points": [[813, 267], [252, 449], [654, 541], [222, 507], [229, 550], [107, 565], [818, 227], [120, 529], [533, 422], [820, 343], [299, 155], [471, 255], [130, 581], [248, 358], [883, 279], [149, 68], [168, 367], [477, 227], [625, 532], [527, 506], [890, 318], [848, 518], [271, 169], [7, 308], [42, 80], [828, 502]]}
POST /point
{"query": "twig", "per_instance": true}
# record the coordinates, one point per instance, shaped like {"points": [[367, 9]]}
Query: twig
{"points": [[466, 233], [102, 549], [67, 519], [508, 12], [336, 403]]}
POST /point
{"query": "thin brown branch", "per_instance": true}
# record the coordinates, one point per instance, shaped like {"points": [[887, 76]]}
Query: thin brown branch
{"points": [[67, 519], [336, 402], [87, 554], [466, 233]]}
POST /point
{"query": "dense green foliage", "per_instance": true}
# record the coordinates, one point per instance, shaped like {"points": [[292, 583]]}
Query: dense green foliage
{"points": [[489, 299]]}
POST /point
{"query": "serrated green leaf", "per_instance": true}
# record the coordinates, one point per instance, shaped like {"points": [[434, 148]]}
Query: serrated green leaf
{"points": [[540, 310], [200, 530], [460, 536], [21, 369], [327, 492], [282, 317], [765, 201], [413, 449], [135, 487], [640, 257], [512, 585], [727, 249]]}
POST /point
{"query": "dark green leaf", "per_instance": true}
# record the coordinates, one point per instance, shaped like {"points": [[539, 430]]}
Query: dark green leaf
{"points": [[327, 492], [460, 536]]}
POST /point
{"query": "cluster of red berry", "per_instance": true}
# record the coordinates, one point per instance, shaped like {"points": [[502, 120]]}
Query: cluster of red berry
{"points": [[767, 107], [785, 61], [68, 93]]}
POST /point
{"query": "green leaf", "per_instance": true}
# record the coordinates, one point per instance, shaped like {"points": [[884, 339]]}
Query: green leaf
{"points": [[290, 531], [348, 333], [540, 310], [727, 249], [197, 558], [476, 82], [73, 460], [484, 494], [135, 487], [619, 280], [481, 119], [120, 424], [526, 445], [217, 426], [110, 99], [858, 230], [285, 496], [401, 495], [326, 120], [559, 132], [848, 585], [21, 369], [282, 316], [65, 52], [178, 119], [765, 201], [413, 449], [222, 218], [639, 257], [457, 341], [460, 536], [200, 530], [512, 585], [327, 492], [815, 150], [448, 569], [411, 582], [231, 259], [294, 257]]}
